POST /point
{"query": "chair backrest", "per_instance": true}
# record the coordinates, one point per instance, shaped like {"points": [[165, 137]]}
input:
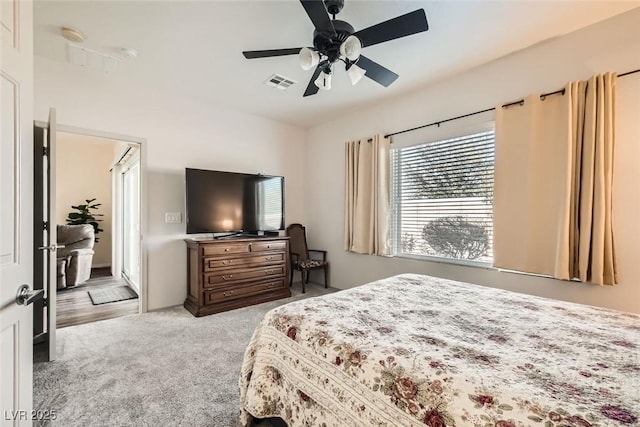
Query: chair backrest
{"points": [[298, 241], [81, 236]]}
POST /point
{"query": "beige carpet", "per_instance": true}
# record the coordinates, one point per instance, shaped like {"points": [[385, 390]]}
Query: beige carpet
{"points": [[165, 368]]}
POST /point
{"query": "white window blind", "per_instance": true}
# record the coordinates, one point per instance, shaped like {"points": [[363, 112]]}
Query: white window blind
{"points": [[442, 198]]}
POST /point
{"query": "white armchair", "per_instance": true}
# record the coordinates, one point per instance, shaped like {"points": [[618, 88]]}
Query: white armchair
{"points": [[74, 260]]}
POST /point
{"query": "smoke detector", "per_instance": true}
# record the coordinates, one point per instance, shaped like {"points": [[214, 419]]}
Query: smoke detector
{"points": [[128, 53], [72, 34]]}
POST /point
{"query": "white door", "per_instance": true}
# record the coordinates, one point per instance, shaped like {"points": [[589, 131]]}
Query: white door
{"points": [[52, 235], [131, 222], [16, 210], [45, 268]]}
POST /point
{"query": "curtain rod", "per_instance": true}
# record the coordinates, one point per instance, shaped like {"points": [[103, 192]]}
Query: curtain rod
{"points": [[129, 148], [520, 102]]}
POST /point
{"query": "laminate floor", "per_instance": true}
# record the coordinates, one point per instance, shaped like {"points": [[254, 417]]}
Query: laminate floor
{"points": [[74, 306]]}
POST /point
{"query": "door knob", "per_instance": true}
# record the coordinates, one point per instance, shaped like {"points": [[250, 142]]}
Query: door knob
{"points": [[52, 247], [25, 296]]}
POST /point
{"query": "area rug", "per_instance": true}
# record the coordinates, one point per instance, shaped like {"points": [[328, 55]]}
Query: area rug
{"points": [[107, 295]]}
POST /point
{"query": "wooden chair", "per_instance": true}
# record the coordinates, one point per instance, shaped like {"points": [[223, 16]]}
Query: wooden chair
{"points": [[300, 259]]}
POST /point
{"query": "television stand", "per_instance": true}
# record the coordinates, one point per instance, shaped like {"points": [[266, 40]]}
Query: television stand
{"points": [[225, 274]]}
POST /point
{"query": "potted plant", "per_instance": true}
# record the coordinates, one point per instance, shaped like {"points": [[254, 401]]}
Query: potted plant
{"points": [[85, 216]]}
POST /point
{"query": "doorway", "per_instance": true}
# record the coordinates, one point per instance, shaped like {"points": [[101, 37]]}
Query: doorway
{"points": [[88, 164]]}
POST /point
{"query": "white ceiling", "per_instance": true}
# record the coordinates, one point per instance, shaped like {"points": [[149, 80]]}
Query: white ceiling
{"points": [[194, 48]]}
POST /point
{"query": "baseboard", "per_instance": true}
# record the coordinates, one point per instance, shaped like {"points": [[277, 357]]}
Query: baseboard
{"points": [[100, 265]]}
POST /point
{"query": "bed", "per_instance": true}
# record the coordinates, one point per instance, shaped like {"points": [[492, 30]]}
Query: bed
{"points": [[414, 350]]}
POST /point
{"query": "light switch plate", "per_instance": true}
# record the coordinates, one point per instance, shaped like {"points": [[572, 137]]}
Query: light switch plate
{"points": [[173, 218]]}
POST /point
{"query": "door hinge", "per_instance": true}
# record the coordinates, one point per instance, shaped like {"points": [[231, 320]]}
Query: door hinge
{"points": [[45, 225], [45, 151]]}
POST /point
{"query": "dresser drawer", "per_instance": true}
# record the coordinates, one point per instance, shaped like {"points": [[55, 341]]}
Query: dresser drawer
{"points": [[215, 263], [227, 248], [268, 246], [229, 276], [234, 292]]}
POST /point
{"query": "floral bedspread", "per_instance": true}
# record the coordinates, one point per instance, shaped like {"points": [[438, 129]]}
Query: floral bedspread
{"points": [[414, 350]]}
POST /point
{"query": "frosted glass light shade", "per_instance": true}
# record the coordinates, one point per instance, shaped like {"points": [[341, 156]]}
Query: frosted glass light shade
{"points": [[323, 81], [308, 58], [351, 48], [356, 73]]}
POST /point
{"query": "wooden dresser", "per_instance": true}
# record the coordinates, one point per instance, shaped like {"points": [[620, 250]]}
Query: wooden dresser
{"points": [[233, 273]]}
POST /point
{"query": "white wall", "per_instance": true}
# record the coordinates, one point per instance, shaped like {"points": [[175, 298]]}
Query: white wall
{"points": [[83, 173], [180, 133], [611, 45]]}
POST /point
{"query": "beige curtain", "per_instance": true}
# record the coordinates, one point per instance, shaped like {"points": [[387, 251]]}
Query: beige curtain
{"points": [[553, 183], [367, 196]]}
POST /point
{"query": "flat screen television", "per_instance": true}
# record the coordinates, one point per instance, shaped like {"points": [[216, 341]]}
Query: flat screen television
{"points": [[230, 202]]}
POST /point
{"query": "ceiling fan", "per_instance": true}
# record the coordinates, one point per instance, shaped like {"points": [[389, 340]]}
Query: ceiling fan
{"points": [[335, 40]]}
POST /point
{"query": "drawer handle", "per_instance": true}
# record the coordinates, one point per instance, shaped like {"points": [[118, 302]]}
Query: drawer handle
{"points": [[227, 294], [225, 262], [227, 277], [226, 249], [270, 285], [267, 258], [267, 272]]}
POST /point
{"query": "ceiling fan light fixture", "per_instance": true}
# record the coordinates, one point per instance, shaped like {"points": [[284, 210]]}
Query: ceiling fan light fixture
{"points": [[351, 48], [324, 81], [336, 40], [308, 58], [355, 74]]}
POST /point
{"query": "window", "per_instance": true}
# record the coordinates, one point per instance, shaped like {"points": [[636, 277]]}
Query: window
{"points": [[442, 198], [269, 203]]}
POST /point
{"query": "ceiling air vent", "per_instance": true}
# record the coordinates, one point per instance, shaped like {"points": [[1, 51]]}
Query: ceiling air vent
{"points": [[279, 82]]}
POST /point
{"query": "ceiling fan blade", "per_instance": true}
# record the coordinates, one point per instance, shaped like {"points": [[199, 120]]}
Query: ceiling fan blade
{"points": [[377, 72], [401, 26], [253, 54], [312, 89], [318, 14]]}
